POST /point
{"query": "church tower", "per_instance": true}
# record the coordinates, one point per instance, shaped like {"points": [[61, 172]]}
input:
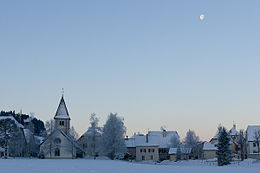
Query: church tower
{"points": [[62, 119]]}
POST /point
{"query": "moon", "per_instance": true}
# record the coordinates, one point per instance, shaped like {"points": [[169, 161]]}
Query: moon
{"points": [[202, 16]]}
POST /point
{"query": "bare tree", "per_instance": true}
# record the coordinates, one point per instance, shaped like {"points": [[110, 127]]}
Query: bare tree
{"points": [[192, 141], [257, 138], [73, 133]]}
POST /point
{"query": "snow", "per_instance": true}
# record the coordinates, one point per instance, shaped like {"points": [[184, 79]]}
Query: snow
{"points": [[157, 137], [27, 134], [183, 150], [251, 132], [109, 166], [1, 149], [12, 118], [209, 146], [62, 112]]}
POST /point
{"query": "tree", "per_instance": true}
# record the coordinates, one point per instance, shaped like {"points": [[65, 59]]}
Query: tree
{"points": [[11, 137], [191, 141], [93, 134], [49, 126], [113, 143], [174, 142], [178, 153], [257, 138], [73, 133], [242, 144], [223, 147]]}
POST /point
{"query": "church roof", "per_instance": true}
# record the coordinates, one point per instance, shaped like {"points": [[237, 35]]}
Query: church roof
{"points": [[62, 111]]}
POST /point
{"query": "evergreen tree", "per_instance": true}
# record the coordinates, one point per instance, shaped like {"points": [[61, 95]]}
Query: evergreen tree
{"points": [[223, 147]]}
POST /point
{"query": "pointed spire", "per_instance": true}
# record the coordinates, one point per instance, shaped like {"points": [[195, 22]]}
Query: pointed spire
{"points": [[62, 111]]}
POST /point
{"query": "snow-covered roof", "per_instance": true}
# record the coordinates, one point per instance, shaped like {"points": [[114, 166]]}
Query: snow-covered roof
{"points": [[62, 111], [12, 118], [163, 138], [1, 149], [135, 140], [250, 131], [209, 146], [27, 120], [27, 134], [184, 150], [233, 131]]}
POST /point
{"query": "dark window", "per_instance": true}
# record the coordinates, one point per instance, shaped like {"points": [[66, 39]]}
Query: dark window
{"points": [[145, 150], [151, 157], [254, 144], [140, 150], [61, 123], [57, 152], [142, 157], [153, 150], [149, 150]]}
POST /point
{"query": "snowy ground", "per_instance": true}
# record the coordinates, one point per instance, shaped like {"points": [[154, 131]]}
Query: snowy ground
{"points": [[109, 166]]}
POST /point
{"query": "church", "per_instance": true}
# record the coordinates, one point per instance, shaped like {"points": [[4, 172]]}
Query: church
{"points": [[59, 144]]}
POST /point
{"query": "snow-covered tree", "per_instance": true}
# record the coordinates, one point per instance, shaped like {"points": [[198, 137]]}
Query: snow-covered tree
{"points": [[174, 142], [192, 141], [49, 125], [113, 142], [223, 147], [73, 133], [178, 153], [11, 137], [93, 136], [257, 139]]}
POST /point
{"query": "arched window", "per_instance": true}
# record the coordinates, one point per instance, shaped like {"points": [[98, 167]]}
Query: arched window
{"points": [[57, 152]]}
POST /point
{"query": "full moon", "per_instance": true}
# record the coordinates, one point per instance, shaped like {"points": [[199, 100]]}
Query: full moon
{"points": [[202, 16]]}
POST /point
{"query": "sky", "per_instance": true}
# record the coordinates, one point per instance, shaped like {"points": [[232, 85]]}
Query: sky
{"points": [[153, 62]]}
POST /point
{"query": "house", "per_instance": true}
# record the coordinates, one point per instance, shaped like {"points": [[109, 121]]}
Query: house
{"points": [[87, 143], [59, 144], [185, 153], [31, 146], [209, 150], [147, 151], [252, 142], [131, 143], [163, 139]]}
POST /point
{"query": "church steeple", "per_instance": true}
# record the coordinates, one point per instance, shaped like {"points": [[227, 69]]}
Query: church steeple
{"points": [[62, 118]]}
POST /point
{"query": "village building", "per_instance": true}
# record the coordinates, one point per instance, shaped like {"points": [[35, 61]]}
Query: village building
{"points": [[185, 153], [252, 142], [209, 150], [59, 144], [91, 141], [147, 151]]}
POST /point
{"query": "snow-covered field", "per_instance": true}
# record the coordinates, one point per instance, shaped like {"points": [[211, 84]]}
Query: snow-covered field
{"points": [[109, 166]]}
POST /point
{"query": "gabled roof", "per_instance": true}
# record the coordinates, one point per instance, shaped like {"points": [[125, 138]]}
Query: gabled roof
{"points": [[250, 131], [74, 142], [209, 146], [163, 138], [62, 111]]}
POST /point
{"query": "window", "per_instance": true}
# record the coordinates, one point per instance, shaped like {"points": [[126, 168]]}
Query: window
{"points": [[140, 150], [143, 158], [144, 150], [151, 157], [61, 123], [149, 150], [57, 152], [153, 150], [57, 141], [254, 144]]}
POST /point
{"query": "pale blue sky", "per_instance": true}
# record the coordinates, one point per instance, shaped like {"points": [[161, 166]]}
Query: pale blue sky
{"points": [[153, 62]]}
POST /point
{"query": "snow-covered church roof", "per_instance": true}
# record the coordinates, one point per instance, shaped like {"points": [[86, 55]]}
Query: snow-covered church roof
{"points": [[62, 111], [233, 131]]}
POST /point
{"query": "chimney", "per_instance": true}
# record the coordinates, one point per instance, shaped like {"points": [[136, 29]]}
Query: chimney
{"points": [[164, 133], [146, 138]]}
